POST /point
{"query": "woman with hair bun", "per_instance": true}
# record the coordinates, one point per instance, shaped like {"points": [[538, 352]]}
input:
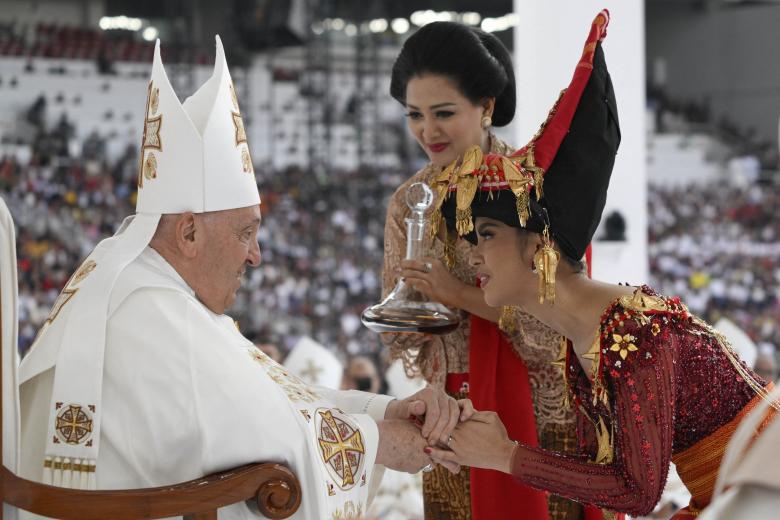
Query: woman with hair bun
{"points": [[456, 82]]}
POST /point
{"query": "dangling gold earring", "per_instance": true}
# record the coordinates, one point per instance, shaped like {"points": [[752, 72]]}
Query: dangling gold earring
{"points": [[486, 122], [546, 264]]}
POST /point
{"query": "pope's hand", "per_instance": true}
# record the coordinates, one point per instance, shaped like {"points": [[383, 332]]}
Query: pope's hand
{"points": [[401, 447], [439, 413]]}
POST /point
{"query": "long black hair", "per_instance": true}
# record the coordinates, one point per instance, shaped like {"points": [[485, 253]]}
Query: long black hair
{"points": [[476, 61]]}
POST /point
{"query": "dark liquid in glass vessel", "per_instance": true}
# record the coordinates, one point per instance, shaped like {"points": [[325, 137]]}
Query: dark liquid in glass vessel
{"points": [[411, 320]]}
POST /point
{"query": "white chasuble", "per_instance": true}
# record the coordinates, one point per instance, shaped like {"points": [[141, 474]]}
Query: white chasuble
{"points": [[186, 395]]}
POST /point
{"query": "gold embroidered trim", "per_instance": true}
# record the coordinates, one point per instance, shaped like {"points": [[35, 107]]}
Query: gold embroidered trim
{"points": [[150, 140], [70, 289], [350, 511], [295, 389]]}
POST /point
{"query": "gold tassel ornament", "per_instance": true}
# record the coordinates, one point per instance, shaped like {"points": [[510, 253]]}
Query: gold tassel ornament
{"points": [[435, 223], [467, 188], [440, 185], [523, 203], [518, 183], [463, 221], [546, 263]]}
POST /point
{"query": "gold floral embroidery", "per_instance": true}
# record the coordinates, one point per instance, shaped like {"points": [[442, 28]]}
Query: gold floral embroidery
{"points": [[350, 511], [154, 103], [623, 344], [295, 389], [655, 329], [246, 161], [150, 167], [151, 139]]}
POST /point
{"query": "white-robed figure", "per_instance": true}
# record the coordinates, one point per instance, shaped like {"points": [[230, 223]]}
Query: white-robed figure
{"points": [[138, 379]]}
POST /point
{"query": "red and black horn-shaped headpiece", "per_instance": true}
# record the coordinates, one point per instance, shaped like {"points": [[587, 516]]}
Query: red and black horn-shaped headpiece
{"points": [[560, 178]]}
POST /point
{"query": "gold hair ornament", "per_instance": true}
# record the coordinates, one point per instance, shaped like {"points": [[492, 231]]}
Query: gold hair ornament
{"points": [[467, 188]]}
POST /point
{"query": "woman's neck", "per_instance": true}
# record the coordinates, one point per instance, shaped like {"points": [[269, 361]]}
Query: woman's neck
{"points": [[487, 142], [579, 304]]}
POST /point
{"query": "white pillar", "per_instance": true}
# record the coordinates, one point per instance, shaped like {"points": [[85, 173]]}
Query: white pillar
{"points": [[548, 43]]}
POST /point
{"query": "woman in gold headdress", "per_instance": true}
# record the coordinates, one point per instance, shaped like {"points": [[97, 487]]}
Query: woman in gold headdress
{"points": [[651, 383]]}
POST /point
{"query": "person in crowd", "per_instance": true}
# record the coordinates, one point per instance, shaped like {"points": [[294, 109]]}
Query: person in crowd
{"points": [[766, 363], [361, 374], [267, 346], [456, 83], [139, 379], [650, 381]]}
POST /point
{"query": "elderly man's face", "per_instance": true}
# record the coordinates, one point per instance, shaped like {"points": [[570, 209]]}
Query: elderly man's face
{"points": [[228, 245]]}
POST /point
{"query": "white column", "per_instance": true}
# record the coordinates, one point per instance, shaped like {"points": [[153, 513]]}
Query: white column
{"points": [[548, 43]]}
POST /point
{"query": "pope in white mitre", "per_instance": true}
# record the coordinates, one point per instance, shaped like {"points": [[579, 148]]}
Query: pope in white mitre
{"points": [[138, 379]]}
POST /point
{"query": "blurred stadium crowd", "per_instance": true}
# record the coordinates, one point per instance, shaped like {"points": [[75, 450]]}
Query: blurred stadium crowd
{"points": [[321, 241], [716, 246]]}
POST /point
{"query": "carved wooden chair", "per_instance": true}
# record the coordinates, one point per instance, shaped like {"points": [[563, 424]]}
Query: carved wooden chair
{"points": [[272, 488]]}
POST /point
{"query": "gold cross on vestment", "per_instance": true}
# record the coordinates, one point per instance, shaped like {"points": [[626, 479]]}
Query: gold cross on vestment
{"points": [[341, 446], [151, 137], [73, 424], [311, 372]]}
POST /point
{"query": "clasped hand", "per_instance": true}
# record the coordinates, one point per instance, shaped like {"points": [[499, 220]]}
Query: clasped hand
{"points": [[451, 433]]}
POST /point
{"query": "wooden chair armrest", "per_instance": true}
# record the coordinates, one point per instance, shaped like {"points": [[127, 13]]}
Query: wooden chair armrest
{"points": [[273, 487]]}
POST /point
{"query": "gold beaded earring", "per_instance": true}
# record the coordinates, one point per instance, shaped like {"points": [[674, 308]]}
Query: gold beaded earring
{"points": [[486, 122], [546, 265]]}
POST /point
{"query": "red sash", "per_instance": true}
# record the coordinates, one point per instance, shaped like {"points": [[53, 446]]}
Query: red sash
{"points": [[499, 381]]}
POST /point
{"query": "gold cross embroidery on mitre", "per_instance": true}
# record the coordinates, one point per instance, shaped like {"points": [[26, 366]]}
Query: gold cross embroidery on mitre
{"points": [[311, 372], [330, 449], [151, 137]]}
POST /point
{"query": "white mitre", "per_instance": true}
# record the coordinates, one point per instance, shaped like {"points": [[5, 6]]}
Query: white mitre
{"points": [[744, 346], [315, 364], [399, 385], [194, 157]]}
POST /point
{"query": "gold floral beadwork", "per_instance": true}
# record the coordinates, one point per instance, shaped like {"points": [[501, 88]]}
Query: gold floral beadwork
{"points": [[655, 329], [623, 344]]}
